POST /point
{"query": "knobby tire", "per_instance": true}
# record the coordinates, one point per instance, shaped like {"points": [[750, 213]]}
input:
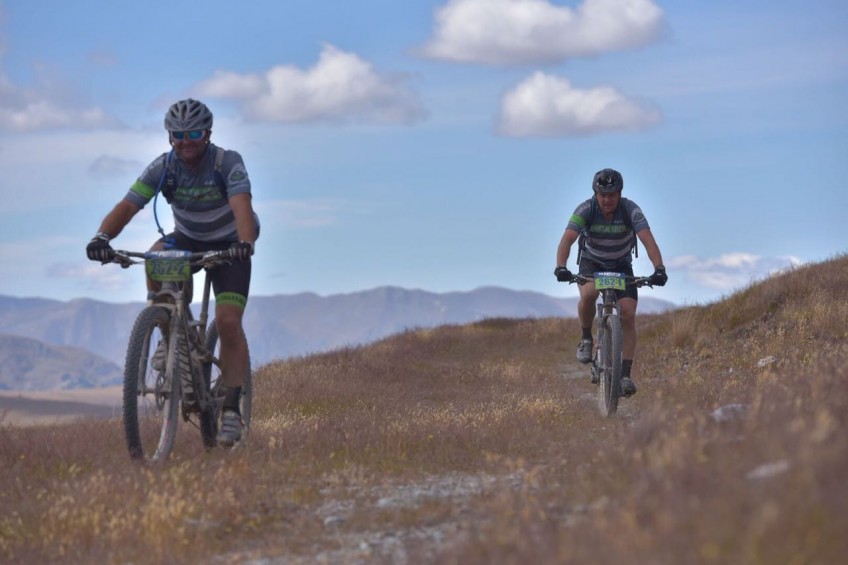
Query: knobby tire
{"points": [[150, 414], [609, 386]]}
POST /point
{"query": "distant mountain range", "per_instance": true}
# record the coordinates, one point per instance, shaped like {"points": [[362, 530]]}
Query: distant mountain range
{"points": [[29, 364], [82, 342]]}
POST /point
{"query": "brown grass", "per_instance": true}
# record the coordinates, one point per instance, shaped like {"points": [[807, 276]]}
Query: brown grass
{"points": [[482, 444]]}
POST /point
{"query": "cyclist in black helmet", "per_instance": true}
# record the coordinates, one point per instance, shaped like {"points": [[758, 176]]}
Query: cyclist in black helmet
{"points": [[607, 226], [209, 193]]}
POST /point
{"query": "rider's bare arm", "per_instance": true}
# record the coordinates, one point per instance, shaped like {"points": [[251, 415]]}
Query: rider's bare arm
{"points": [[564, 249], [118, 218], [651, 247], [243, 211]]}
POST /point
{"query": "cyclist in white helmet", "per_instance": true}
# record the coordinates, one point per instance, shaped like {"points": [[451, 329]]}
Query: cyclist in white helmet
{"points": [[209, 192], [608, 225]]}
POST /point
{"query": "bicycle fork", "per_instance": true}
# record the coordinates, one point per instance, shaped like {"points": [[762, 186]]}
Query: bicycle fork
{"points": [[596, 367], [605, 309]]}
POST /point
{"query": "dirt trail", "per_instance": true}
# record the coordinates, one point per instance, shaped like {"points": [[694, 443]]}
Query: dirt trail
{"points": [[27, 408]]}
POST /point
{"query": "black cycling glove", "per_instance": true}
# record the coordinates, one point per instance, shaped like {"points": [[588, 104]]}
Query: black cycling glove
{"points": [[563, 274], [659, 278], [98, 249], [241, 250]]}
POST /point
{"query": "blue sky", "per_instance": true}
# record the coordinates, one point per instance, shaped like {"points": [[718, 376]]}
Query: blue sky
{"points": [[439, 145]]}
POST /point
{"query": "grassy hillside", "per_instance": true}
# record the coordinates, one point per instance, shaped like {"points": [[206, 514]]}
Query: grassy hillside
{"points": [[30, 364], [482, 444]]}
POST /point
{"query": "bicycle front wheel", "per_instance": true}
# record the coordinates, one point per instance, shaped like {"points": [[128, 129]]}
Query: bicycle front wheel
{"points": [[212, 377], [151, 397], [609, 355]]}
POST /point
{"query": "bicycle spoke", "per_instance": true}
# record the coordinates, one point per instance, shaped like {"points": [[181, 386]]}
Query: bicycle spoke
{"points": [[149, 398]]}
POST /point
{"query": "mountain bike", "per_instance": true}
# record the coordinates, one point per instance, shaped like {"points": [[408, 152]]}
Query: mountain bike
{"points": [[606, 362], [187, 381]]}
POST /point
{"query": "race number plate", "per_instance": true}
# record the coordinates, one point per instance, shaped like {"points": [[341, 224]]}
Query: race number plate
{"points": [[168, 266], [615, 281]]}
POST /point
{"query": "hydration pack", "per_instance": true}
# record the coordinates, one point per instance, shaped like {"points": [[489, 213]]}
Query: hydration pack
{"points": [[581, 240], [168, 185], [168, 182]]}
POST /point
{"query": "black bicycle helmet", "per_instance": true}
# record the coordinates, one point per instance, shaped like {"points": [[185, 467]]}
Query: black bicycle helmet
{"points": [[608, 181], [188, 115]]}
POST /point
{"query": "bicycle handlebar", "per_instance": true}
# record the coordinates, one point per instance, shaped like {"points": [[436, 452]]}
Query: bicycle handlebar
{"points": [[197, 259], [638, 282]]}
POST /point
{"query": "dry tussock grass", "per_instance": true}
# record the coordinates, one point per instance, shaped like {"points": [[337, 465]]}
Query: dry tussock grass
{"points": [[482, 444]]}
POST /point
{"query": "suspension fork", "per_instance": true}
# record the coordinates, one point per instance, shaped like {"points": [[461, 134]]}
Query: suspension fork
{"points": [[204, 306], [607, 307]]}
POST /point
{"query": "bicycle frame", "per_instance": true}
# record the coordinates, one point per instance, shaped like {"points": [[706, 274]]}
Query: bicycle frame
{"points": [[606, 367], [185, 381], [176, 297]]}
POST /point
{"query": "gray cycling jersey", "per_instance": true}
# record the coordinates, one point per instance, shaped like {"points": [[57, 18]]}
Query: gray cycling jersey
{"points": [[201, 210], [608, 242]]}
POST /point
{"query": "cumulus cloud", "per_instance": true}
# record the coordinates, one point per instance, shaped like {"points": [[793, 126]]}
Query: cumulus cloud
{"points": [[511, 32], [549, 106], [731, 271], [45, 106], [340, 87], [31, 258], [30, 109]]}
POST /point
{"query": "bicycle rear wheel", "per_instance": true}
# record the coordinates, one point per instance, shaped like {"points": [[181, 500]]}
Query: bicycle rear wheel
{"points": [[609, 356], [151, 397], [212, 376]]}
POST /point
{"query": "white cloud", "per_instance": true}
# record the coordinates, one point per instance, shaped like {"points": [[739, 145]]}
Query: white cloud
{"points": [[340, 87], [730, 271], [548, 106], [50, 105], [33, 261], [28, 109], [536, 31]]}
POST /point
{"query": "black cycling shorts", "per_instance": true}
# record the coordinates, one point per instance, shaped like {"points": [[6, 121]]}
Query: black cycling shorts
{"points": [[589, 268], [230, 283]]}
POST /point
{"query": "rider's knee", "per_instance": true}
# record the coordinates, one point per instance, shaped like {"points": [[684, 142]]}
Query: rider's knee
{"points": [[627, 310], [228, 323], [588, 297]]}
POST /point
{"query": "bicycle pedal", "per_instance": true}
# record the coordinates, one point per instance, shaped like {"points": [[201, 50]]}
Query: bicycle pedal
{"points": [[189, 398], [190, 406]]}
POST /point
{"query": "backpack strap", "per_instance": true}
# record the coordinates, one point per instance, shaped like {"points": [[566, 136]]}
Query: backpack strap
{"points": [[163, 181], [581, 239], [634, 244], [220, 182], [168, 183], [169, 173]]}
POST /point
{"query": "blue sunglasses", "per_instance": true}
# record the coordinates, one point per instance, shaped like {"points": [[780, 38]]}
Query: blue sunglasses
{"points": [[191, 135]]}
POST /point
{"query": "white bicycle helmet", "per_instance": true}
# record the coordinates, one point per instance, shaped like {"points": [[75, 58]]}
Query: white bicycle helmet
{"points": [[188, 115]]}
